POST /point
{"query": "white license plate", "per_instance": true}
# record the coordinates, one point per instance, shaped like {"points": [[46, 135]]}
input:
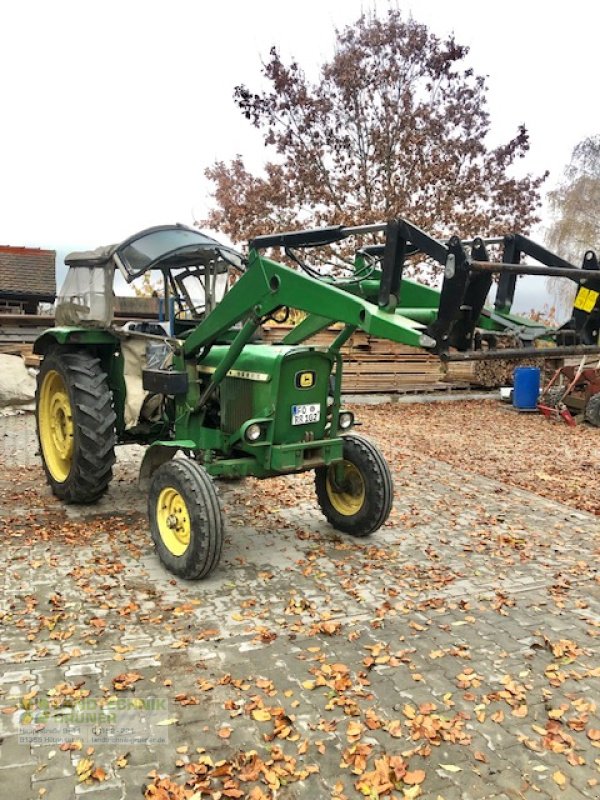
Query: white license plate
{"points": [[306, 413]]}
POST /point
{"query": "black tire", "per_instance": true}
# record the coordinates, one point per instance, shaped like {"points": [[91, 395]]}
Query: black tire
{"points": [[365, 498], [592, 410], [84, 474], [201, 513]]}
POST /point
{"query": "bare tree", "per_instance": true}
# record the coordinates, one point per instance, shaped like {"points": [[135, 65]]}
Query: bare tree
{"points": [[575, 207], [396, 125]]}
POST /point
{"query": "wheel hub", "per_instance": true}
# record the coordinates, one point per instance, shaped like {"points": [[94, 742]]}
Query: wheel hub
{"points": [[56, 426], [346, 491], [173, 521], [61, 425]]}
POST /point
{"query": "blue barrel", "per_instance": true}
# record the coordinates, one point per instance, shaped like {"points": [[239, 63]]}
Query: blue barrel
{"points": [[526, 383]]}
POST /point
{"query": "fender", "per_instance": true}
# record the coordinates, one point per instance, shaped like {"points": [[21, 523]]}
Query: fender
{"points": [[65, 335], [158, 454]]}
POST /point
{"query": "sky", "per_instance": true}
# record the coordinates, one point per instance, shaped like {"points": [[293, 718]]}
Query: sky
{"points": [[111, 111]]}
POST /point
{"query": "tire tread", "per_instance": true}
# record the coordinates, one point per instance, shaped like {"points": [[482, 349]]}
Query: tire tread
{"points": [[94, 419], [206, 545], [379, 488]]}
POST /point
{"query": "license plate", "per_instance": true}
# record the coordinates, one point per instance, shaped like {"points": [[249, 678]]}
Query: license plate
{"points": [[306, 413]]}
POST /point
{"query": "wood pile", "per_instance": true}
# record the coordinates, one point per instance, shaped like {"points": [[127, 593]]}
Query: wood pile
{"points": [[492, 374], [18, 333], [378, 365], [370, 365]]}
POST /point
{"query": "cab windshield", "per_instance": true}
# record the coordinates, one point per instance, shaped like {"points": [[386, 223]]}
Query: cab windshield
{"points": [[167, 248]]}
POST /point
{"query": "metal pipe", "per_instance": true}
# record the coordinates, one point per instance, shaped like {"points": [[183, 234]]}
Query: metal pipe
{"points": [[355, 229], [425, 315], [523, 352], [575, 274], [381, 226], [494, 240]]}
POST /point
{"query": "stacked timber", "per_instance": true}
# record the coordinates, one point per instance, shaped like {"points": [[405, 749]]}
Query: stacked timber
{"points": [[377, 365], [18, 332]]}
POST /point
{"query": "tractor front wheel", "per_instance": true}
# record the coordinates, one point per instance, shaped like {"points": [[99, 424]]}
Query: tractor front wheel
{"points": [[592, 410], [185, 519], [75, 425], [356, 495]]}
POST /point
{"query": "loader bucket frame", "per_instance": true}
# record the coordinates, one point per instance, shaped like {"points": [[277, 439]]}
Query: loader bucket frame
{"points": [[468, 277]]}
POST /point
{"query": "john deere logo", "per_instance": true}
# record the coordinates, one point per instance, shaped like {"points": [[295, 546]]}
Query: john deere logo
{"points": [[305, 380]]}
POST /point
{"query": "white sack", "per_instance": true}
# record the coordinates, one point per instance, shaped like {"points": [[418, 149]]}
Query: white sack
{"points": [[17, 386]]}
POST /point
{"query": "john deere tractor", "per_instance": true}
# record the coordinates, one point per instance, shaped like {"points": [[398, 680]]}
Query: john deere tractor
{"points": [[201, 391]]}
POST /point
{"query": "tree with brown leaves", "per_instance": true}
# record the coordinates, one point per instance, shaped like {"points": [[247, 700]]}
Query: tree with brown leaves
{"points": [[395, 125]]}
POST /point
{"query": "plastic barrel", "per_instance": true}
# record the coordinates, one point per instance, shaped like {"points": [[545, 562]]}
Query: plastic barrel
{"points": [[526, 382]]}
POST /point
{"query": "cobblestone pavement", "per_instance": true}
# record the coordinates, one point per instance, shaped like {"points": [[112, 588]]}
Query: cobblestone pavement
{"points": [[460, 641]]}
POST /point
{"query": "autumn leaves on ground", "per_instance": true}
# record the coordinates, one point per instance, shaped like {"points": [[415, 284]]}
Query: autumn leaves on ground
{"points": [[451, 655], [492, 439]]}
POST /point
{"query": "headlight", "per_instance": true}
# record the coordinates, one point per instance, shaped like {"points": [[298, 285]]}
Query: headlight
{"points": [[253, 432], [346, 420]]}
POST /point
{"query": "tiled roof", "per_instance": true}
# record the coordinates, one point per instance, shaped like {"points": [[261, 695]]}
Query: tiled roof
{"points": [[27, 271]]}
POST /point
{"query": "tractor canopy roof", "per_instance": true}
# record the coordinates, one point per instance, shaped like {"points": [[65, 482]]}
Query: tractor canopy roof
{"points": [[161, 247]]}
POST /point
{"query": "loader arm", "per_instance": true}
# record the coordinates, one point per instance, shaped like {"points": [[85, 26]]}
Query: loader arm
{"points": [[267, 285]]}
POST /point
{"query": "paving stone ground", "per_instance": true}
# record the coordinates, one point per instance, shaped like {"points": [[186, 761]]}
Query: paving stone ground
{"points": [[462, 636]]}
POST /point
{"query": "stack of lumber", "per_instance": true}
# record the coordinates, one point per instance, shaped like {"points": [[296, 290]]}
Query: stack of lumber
{"points": [[376, 365], [22, 328], [18, 333]]}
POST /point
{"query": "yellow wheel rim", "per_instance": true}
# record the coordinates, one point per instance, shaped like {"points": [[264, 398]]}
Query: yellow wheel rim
{"points": [[173, 521], [348, 495], [55, 421]]}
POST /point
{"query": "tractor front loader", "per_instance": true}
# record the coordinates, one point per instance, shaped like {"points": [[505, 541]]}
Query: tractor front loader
{"points": [[206, 398], [455, 316]]}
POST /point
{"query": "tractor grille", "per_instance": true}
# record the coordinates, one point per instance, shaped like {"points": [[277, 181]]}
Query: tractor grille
{"points": [[237, 395]]}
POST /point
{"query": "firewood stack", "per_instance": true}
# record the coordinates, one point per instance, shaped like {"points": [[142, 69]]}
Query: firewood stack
{"points": [[499, 372]]}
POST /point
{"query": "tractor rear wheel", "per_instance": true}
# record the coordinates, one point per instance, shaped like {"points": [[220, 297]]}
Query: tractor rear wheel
{"points": [[185, 519], [356, 496], [592, 410], [75, 425]]}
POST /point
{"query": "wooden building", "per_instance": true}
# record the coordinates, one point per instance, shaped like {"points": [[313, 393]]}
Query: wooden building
{"points": [[27, 278]]}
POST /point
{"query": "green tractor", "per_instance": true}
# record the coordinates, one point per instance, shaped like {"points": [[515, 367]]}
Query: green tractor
{"points": [[201, 392]]}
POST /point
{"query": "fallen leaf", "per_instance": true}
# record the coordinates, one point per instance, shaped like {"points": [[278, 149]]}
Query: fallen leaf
{"points": [[559, 779], [84, 769], [414, 778]]}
